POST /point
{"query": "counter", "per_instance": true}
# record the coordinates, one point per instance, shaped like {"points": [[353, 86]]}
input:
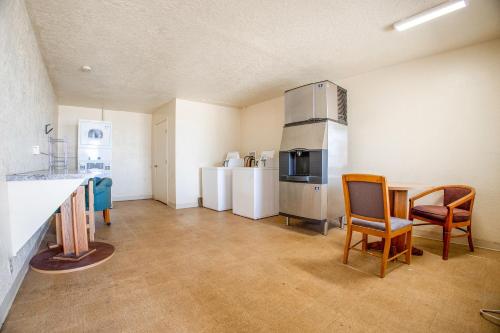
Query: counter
{"points": [[54, 175], [34, 196]]}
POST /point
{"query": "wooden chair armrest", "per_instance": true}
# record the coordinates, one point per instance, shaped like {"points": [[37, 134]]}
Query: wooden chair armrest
{"points": [[460, 201], [423, 194]]}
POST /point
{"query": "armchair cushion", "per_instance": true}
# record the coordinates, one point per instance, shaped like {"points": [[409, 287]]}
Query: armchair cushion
{"points": [[396, 224], [438, 213]]}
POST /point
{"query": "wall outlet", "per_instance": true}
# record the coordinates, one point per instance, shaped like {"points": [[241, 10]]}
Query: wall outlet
{"points": [[35, 150]]}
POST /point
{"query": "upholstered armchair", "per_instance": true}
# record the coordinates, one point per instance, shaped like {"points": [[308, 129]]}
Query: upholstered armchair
{"points": [[454, 213], [102, 197]]}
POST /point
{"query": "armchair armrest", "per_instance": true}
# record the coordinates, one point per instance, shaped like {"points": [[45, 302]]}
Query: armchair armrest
{"points": [[425, 193], [102, 185], [104, 182]]}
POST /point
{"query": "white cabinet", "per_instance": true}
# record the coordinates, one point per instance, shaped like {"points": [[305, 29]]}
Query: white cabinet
{"points": [[217, 189], [255, 192]]}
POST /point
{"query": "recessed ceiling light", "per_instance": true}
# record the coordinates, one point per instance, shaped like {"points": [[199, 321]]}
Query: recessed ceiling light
{"points": [[86, 68], [430, 14]]}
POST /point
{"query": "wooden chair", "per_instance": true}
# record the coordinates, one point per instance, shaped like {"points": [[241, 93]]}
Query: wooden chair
{"points": [[368, 212], [455, 213]]}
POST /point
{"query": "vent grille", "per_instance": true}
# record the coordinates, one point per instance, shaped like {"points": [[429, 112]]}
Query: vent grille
{"points": [[342, 105]]}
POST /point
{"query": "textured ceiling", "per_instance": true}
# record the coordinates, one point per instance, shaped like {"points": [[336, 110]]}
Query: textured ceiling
{"points": [[144, 53]]}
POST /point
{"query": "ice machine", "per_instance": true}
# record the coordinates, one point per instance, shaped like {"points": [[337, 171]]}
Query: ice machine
{"points": [[313, 154]]}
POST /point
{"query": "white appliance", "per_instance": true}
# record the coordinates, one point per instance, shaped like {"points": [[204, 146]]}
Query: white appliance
{"points": [[94, 146], [256, 192], [216, 183]]}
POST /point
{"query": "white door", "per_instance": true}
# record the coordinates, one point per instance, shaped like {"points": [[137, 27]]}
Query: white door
{"points": [[160, 167]]}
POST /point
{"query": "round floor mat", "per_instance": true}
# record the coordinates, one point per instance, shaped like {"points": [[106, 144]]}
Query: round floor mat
{"points": [[44, 263]]}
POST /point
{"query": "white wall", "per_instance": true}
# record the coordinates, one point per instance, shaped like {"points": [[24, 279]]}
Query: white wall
{"points": [[131, 154], [131, 147], [432, 121], [27, 103], [261, 126], [204, 134]]}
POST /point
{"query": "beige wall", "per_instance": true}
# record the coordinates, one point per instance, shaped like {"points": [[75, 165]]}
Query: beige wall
{"points": [[259, 124], [27, 103], [199, 135], [131, 160], [432, 121], [204, 134]]}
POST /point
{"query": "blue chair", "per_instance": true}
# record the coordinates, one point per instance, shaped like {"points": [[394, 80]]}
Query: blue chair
{"points": [[102, 197]]}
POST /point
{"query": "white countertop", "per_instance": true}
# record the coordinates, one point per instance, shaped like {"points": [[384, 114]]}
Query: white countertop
{"points": [[60, 174]]}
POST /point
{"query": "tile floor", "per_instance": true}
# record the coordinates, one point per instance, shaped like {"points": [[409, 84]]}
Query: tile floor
{"points": [[196, 270]]}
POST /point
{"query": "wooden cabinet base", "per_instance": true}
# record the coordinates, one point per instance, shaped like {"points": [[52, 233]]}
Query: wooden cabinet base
{"points": [[44, 262]]}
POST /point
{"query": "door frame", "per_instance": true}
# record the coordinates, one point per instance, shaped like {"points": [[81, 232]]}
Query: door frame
{"points": [[167, 164]]}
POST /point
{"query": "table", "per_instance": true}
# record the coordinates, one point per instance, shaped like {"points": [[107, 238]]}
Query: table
{"points": [[398, 201], [73, 251]]}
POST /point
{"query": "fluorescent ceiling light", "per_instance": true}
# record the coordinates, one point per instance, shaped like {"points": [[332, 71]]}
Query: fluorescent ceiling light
{"points": [[430, 14]]}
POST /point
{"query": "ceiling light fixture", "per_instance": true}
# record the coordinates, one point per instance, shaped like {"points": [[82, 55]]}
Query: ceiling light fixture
{"points": [[86, 68], [430, 14]]}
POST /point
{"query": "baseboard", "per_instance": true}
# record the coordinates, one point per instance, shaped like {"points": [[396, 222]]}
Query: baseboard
{"points": [[185, 205], [437, 235], [131, 197], [28, 251]]}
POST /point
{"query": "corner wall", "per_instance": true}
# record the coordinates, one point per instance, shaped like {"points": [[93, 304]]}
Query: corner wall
{"points": [[434, 121], [27, 103], [261, 126], [204, 134], [199, 135]]}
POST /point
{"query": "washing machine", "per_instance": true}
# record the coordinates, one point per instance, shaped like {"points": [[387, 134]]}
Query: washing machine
{"points": [[216, 183], [256, 192]]}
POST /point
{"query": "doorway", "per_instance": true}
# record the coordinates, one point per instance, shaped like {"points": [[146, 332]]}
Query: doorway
{"points": [[160, 162]]}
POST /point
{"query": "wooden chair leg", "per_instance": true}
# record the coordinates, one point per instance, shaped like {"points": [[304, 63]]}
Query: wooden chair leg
{"points": [[408, 247], [469, 238], [446, 243], [385, 256], [107, 216], [364, 244], [91, 213], [347, 245]]}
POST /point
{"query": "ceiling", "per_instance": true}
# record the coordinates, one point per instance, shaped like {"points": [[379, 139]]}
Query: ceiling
{"points": [[144, 53]]}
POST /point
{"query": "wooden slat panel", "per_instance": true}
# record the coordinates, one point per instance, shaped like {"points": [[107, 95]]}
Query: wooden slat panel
{"points": [[81, 221], [91, 210], [66, 227], [58, 229]]}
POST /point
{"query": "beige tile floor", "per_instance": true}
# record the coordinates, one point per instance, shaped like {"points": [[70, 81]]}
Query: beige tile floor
{"points": [[196, 270]]}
